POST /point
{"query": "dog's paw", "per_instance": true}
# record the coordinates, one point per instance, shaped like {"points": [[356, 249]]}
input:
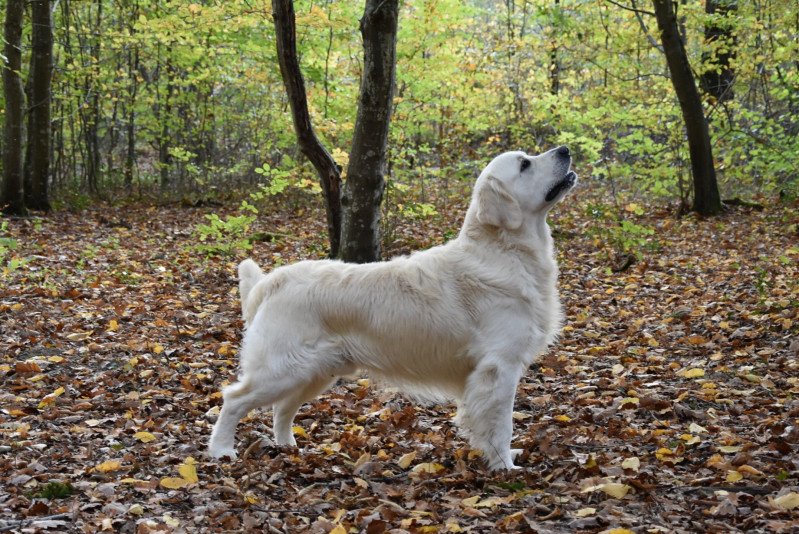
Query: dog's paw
{"points": [[221, 452]]}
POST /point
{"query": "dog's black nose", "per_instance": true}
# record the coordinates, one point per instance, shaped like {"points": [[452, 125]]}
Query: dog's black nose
{"points": [[563, 151]]}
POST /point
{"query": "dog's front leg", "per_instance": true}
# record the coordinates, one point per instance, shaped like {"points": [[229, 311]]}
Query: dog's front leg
{"points": [[486, 411]]}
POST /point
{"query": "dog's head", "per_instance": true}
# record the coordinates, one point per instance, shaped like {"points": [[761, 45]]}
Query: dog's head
{"points": [[515, 184]]}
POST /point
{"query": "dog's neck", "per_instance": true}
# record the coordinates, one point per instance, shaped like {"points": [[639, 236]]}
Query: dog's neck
{"points": [[533, 237]]}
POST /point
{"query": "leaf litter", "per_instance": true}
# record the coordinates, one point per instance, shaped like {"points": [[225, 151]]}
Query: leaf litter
{"points": [[670, 403]]}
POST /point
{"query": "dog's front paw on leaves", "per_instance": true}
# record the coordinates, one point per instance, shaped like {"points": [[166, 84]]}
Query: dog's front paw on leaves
{"points": [[222, 452]]}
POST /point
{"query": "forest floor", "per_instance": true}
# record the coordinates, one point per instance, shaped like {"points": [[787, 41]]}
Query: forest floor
{"points": [[670, 403]]}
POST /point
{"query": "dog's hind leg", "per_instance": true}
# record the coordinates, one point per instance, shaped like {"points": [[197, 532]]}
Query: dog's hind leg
{"points": [[486, 412], [242, 397], [287, 407], [239, 399]]}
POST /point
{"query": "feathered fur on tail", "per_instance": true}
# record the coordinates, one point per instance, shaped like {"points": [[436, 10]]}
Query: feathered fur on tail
{"points": [[249, 276]]}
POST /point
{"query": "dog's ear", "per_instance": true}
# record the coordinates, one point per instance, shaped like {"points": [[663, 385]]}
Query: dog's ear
{"points": [[496, 207]]}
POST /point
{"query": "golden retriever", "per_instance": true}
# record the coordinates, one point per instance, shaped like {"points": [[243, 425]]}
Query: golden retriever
{"points": [[461, 321]]}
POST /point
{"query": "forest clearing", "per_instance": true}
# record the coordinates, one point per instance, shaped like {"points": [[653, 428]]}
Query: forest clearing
{"points": [[669, 403], [149, 146]]}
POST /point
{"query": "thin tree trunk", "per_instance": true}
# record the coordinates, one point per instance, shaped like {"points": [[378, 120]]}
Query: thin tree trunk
{"points": [[363, 190], [707, 200], [13, 199], [327, 169], [554, 61], [717, 80], [41, 75], [164, 115], [130, 158]]}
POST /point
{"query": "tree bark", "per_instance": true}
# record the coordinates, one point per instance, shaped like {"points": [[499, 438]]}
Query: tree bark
{"points": [[363, 190], [13, 200], [717, 80], [41, 83], [707, 200], [327, 169]]}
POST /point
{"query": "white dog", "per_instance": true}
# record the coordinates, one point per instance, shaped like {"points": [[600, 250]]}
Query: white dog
{"points": [[463, 320]]}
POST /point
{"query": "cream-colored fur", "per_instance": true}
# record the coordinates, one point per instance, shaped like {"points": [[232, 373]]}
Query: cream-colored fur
{"points": [[463, 320]]}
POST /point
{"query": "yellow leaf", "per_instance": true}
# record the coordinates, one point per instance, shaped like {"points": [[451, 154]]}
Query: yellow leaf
{"points": [[730, 449], [50, 399], [144, 437], [55, 359], [108, 466], [113, 325], [249, 498], [734, 476], [471, 501], [629, 400], [171, 521], [696, 429], [428, 468], [787, 501], [79, 336], [614, 489], [173, 483], [158, 349], [749, 470], [299, 431], [694, 373], [631, 463], [338, 529], [584, 512], [562, 418], [617, 531], [188, 470], [406, 459]]}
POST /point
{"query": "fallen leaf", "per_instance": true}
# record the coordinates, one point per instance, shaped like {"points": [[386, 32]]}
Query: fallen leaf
{"points": [[584, 512], [406, 459], [694, 373], [144, 437], [79, 336], [614, 489], [789, 501], [733, 476], [428, 468], [108, 466], [631, 463]]}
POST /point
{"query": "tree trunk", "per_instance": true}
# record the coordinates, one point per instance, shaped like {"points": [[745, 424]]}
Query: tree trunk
{"points": [[554, 61], [41, 76], [363, 190], [706, 192], [327, 169], [13, 200], [717, 80]]}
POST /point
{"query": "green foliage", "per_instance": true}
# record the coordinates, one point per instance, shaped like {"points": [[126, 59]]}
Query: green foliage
{"points": [[55, 490], [473, 78], [228, 236], [620, 235], [7, 244]]}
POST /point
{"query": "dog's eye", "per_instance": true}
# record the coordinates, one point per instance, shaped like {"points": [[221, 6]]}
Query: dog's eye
{"points": [[525, 165]]}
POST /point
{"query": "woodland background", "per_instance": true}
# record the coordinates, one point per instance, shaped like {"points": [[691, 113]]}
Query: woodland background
{"points": [[670, 403]]}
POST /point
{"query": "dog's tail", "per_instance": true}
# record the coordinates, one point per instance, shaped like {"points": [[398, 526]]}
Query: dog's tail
{"points": [[249, 276]]}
